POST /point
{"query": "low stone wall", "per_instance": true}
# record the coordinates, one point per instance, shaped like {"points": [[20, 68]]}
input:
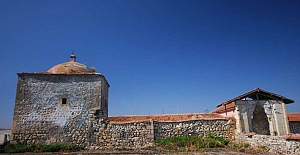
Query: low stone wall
{"points": [[295, 127], [122, 135], [276, 144], [140, 134], [220, 128], [128, 131]]}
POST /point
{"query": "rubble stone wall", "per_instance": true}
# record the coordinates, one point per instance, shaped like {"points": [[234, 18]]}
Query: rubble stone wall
{"points": [[276, 144], [295, 127], [141, 134], [222, 128], [106, 135], [40, 115]]}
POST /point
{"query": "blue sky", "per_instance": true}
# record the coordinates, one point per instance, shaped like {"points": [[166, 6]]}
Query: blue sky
{"points": [[158, 56]]}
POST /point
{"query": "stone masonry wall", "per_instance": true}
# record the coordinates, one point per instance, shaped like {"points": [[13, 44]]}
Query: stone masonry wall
{"points": [[41, 117], [295, 127], [276, 144], [222, 128], [141, 134]]}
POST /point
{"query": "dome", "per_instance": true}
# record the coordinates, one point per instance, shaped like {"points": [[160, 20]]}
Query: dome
{"points": [[71, 67]]}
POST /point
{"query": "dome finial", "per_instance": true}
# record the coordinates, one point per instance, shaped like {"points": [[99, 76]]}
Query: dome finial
{"points": [[72, 57]]}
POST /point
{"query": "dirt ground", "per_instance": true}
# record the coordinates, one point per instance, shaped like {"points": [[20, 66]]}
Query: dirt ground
{"points": [[215, 151]]}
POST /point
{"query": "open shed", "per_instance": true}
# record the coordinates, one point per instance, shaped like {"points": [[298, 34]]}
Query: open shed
{"points": [[258, 111]]}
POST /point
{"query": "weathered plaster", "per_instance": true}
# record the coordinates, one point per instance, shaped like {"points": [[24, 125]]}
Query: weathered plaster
{"points": [[274, 111], [4, 136]]}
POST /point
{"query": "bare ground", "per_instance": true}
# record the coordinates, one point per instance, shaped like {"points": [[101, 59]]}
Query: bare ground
{"points": [[214, 151]]}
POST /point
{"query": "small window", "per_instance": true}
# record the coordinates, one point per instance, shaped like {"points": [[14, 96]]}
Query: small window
{"points": [[64, 101]]}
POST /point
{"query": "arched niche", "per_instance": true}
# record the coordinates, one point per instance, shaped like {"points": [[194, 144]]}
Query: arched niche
{"points": [[260, 123]]}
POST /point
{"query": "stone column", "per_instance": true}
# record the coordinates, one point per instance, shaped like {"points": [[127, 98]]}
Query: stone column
{"points": [[238, 119], [276, 121], [285, 118], [246, 121]]}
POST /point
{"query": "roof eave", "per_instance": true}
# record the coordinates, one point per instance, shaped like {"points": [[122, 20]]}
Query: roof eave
{"points": [[47, 73], [258, 90]]}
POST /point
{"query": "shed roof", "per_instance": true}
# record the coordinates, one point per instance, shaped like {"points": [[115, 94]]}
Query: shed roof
{"points": [[259, 94]]}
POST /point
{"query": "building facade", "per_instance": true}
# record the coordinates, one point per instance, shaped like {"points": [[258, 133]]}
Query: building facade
{"points": [[55, 106]]}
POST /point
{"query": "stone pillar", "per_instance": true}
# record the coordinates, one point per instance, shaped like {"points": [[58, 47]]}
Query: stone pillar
{"points": [[246, 121], [285, 118], [150, 129], [276, 120], [238, 119], [271, 125]]}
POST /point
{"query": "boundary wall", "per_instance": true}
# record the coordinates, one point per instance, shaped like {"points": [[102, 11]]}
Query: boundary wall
{"points": [[107, 135], [276, 144]]}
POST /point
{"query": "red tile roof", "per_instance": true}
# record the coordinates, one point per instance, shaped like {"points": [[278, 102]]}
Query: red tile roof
{"points": [[47, 73], [292, 137], [294, 117], [229, 107], [164, 118]]}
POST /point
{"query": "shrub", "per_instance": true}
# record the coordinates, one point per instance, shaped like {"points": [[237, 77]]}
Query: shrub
{"points": [[214, 141], [263, 147], [18, 148], [246, 145], [55, 147], [209, 141], [51, 148], [235, 146]]}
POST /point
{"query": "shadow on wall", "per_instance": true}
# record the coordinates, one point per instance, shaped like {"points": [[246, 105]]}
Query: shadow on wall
{"points": [[260, 121]]}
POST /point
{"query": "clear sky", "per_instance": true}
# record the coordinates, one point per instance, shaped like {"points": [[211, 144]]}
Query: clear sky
{"points": [[159, 56]]}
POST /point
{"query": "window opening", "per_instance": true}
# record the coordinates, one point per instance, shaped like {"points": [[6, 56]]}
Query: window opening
{"points": [[64, 101]]}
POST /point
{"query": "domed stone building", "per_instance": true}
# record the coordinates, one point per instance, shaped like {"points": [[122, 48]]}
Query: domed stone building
{"points": [[57, 105]]}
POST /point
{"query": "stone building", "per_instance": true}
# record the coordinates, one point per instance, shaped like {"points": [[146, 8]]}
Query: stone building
{"points": [[55, 106], [258, 111], [69, 103]]}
